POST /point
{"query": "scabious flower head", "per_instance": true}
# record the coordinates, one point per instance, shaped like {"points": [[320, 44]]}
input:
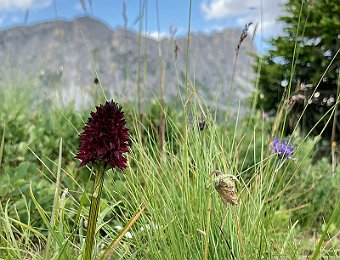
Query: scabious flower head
{"points": [[282, 148], [105, 137]]}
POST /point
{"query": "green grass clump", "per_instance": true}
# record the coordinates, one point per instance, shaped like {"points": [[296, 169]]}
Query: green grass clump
{"points": [[165, 204]]}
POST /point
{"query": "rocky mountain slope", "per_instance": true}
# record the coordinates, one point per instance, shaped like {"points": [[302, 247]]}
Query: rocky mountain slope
{"points": [[66, 56]]}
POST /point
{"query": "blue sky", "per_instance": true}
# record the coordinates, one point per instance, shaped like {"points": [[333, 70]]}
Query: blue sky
{"points": [[207, 15]]}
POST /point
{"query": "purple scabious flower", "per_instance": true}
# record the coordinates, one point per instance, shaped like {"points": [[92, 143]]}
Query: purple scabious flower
{"points": [[283, 149], [105, 137]]}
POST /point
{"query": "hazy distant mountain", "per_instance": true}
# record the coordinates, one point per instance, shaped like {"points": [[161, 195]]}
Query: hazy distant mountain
{"points": [[55, 54]]}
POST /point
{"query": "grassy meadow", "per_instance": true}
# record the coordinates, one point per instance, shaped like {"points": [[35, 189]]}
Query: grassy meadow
{"points": [[164, 205]]}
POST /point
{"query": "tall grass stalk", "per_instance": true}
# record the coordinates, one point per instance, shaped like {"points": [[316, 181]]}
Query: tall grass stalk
{"points": [[2, 144], [54, 213]]}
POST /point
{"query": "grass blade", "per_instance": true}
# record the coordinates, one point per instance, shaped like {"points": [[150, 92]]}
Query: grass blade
{"points": [[2, 145], [43, 215], [122, 234]]}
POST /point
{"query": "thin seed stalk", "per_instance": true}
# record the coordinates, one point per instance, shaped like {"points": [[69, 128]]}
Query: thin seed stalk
{"points": [[94, 210]]}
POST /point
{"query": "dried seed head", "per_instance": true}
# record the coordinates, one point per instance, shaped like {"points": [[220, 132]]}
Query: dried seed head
{"points": [[226, 188]]}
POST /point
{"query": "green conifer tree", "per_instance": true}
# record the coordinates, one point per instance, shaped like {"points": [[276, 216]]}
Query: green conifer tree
{"points": [[303, 65]]}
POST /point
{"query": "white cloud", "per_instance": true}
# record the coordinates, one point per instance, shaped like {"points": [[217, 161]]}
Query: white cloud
{"points": [[12, 5], [246, 11], [158, 36], [2, 19], [216, 9]]}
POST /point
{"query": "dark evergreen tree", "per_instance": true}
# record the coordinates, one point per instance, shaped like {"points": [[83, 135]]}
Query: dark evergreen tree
{"points": [[303, 66]]}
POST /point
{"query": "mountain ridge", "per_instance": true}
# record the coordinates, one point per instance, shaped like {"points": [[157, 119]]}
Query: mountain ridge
{"points": [[60, 54]]}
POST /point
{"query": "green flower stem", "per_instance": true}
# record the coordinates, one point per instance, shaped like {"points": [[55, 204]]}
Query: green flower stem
{"points": [[94, 210]]}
